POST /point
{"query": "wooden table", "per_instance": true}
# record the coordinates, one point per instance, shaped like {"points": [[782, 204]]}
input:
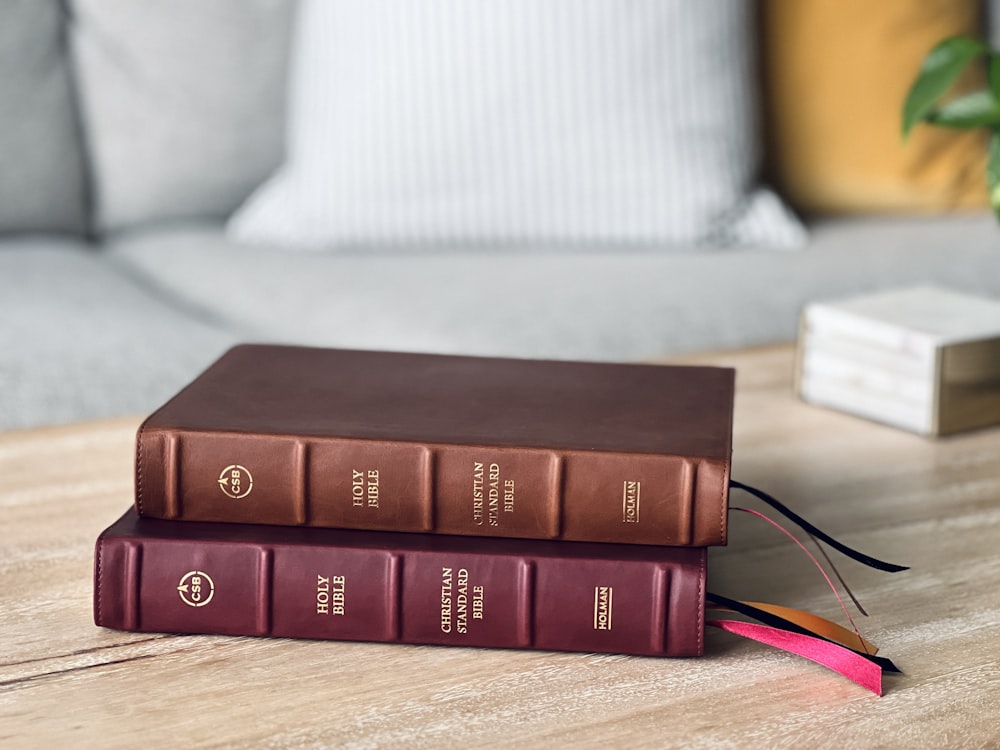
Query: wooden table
{"points": [[933, 505]]}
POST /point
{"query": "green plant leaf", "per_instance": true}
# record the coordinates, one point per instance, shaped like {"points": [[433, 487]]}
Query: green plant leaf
{"points": [[993, 72], [993, 172], [941, 68], [970, 111]]}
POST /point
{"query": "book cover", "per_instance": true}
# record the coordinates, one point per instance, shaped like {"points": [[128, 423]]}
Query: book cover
{"points": [[455, 445], [164, 576]]}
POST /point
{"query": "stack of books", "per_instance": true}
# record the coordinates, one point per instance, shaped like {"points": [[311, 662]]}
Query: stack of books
{"points": [[349, 495]]}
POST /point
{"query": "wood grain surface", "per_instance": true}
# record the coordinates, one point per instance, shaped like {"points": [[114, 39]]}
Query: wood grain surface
{"points": [[934, 505]]}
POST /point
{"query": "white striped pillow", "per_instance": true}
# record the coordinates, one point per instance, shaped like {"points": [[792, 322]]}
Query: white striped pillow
{"points": [[418, 121]]}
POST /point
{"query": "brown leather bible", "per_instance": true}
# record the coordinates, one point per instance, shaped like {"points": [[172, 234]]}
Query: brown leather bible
{"points": [[162, 576], [456, 445]]}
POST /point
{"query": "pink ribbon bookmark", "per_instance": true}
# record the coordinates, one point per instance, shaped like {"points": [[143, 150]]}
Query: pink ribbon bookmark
{"points": [[851, 665]]}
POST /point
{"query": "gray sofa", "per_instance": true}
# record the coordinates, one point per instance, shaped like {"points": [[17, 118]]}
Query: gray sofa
{"points": [[118, 283]]}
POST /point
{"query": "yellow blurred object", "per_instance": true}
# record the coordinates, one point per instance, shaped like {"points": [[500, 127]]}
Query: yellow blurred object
{"points": [[836, 73]]}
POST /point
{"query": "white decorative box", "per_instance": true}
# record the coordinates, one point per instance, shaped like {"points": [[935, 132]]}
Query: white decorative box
{"points": [[923, 359]]}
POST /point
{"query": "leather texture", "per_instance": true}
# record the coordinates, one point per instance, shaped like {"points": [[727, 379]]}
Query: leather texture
{"points": [[410, 588], [459, 445]]}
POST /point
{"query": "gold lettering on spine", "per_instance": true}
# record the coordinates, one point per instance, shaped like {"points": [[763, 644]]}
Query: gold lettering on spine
{"points": [[338, 595], [322, 595], [630, 501], [477, 493], [446, 588], [603, 605], [357, 488], [365, 488], [372, 488], [494, 495], [478, 603], [491, 494], [462, 602], [331, 595]]}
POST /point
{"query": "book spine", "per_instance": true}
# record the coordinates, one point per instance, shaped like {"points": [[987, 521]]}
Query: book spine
{"points": [[527, 493], [433, 596]]}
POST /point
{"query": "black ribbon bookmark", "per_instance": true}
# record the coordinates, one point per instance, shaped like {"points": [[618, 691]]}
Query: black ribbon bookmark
{"points": [[775, 621], [795, 518]]}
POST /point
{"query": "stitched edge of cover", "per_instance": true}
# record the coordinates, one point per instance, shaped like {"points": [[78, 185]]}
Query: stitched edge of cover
{"points": [[99, 585], [138, 467], [701, 603], [724, 503]]}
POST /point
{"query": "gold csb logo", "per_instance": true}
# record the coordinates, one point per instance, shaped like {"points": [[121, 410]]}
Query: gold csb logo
{"points": [[236, 481], [196, 588]]}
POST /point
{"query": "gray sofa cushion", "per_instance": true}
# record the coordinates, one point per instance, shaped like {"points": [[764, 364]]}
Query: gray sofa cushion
{"points": [[610, 304], [79, 340], [97, 332], [42, 184], [183, 103]]}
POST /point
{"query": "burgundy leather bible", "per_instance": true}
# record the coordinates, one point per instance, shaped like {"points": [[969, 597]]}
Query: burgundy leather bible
{"points": [[456, 445], [237, 579]]}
